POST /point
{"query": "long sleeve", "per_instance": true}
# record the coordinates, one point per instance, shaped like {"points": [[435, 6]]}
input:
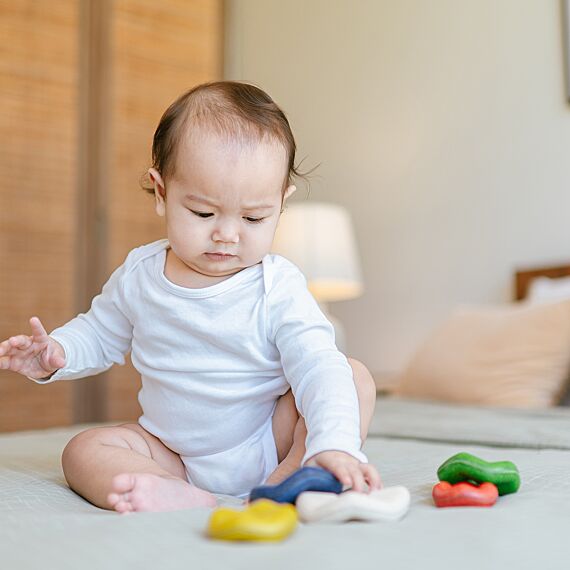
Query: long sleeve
{"points": [[96, 340], [319, 374]]}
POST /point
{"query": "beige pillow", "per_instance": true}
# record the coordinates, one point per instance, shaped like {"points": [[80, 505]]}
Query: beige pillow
{"points": [[515, 355]]}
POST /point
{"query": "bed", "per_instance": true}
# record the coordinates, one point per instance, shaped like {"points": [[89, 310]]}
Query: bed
{"points": [[44, 524]]}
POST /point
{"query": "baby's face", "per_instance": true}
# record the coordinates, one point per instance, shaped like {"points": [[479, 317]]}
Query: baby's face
{"points": [[223, 203]]}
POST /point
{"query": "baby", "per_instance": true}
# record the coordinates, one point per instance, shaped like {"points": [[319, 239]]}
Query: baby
{"points": [[227, 339]]}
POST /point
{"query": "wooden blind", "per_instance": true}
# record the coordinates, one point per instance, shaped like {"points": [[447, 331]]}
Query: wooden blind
{"points": [[38, 120], [160, 50], [83, 84]]}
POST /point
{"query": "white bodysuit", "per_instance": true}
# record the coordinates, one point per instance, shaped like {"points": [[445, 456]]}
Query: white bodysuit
{"points": [[214, 361]]}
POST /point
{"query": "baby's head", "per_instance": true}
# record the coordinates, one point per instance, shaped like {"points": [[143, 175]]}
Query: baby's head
{"points": [[223, 166]]}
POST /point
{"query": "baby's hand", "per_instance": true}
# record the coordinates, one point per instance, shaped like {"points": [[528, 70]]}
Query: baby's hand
{"points": [[36, 356], [347, 469]]}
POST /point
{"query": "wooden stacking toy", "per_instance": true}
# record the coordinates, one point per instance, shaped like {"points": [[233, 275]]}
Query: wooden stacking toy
{"points": [[305, 479], [464, 495], [467, 480], [391, 503], [466, 467], [261, 521], [317, 494]]}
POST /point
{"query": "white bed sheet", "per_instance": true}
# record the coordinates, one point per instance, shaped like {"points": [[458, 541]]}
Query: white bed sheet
{"points": [[45, 525]]}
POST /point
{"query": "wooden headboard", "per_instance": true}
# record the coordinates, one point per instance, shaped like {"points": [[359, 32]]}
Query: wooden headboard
{"points": [[524, 278]]}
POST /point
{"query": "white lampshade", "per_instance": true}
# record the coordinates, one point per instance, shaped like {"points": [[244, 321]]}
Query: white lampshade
{"points": [[319, 239]]}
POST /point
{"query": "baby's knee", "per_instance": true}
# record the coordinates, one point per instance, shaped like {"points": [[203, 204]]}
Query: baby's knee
{"points": [[85, 442], [79, 444], [365, 386]]}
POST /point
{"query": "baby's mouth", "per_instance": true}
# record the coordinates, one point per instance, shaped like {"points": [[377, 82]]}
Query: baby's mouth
{"points": [[219, 256]]}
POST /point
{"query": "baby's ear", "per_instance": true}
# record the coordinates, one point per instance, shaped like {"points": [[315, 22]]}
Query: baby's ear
{"points": [[289, 192], [159, 191]]}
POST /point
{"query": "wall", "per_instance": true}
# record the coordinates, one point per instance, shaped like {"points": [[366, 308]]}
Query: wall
{"points": [[442, 126]]}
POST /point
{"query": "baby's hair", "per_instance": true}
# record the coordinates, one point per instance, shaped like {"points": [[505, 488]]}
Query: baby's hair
{"points": [[230, 108]]}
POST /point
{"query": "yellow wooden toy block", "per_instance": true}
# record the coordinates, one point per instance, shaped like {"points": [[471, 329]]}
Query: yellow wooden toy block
{"points": [[263, 520]]}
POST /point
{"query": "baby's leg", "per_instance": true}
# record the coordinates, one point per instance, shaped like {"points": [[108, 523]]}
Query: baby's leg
{"points": [[127, 469], [289, 428]]}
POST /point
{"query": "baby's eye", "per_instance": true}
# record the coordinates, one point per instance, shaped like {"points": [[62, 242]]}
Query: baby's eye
{"points": [[202, 214], [254, 220]]}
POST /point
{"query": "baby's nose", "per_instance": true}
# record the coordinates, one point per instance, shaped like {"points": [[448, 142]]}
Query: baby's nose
{"points": [[226, 233]]}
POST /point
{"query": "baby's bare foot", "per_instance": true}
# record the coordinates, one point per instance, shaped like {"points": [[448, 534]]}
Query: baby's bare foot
{"points": [[148, 492]]}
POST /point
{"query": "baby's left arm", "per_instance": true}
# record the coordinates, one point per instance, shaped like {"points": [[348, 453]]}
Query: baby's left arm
{"points": [[347, 469], [320, 377]]}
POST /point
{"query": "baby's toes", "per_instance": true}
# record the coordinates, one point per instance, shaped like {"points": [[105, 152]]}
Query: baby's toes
{"points": [[123, 483], [124, 507], [114, 498]]}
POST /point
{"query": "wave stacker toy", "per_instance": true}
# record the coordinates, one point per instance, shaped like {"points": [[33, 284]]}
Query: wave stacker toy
{"points": [[464, 495], [272, 516], [388, 504], [261, 521], [469, 481], [466, 467], [304, 479]]}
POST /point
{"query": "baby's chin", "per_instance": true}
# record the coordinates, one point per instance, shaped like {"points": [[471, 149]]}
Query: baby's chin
{"points": [[224, 272], [219, 269]]}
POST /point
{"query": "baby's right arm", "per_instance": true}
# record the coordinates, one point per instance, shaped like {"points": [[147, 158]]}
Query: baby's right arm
{"points": [[37, 356], [88, 344]]}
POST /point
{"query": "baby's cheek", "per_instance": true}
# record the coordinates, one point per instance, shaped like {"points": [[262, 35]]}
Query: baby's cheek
{"points": [[264, 242]]}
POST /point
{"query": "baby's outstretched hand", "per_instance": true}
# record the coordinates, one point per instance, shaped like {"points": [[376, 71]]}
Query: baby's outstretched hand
{"points": [[37, 355], [347, 469]]}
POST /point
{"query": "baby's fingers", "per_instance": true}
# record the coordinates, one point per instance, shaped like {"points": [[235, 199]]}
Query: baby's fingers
{"points": [[19, 342], [38, 331], [5, 347], [357, 479], [5, 362], [371, 476], [342, 473]]}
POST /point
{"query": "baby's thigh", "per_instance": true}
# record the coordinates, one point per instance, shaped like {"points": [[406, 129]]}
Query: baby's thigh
{"points": [[164, 456], [284, 422]]}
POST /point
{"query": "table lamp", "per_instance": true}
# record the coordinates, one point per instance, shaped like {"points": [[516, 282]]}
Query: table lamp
{"points": [[319, 238]]}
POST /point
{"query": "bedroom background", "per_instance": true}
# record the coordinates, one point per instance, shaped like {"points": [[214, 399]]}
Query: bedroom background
{"points": [[442, 127]]}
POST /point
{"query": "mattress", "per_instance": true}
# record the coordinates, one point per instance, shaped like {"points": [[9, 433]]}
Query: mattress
{"points": [[44, 524]]}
